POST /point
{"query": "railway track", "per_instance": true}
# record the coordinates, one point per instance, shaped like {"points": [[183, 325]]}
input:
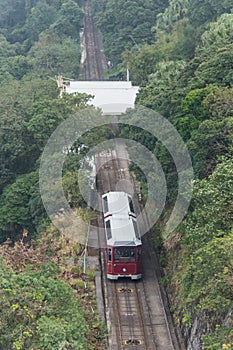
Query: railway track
{"points": [[95, 62], [136, 311]]}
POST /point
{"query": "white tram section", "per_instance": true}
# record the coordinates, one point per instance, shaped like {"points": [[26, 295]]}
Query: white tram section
{"points": [[122, 233], [113, 97]]}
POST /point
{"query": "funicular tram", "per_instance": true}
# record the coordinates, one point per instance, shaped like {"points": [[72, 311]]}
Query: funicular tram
{"points": [[124, 246]]}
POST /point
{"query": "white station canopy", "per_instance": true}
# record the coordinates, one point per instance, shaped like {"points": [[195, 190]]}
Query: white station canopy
{"points": [[113, 97]]}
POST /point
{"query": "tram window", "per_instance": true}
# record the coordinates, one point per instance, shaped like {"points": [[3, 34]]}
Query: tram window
{"points": [[139, 253], [131, 205], [105, 204], [137, 234], [108, 229], [109, 254], [125, 254]]}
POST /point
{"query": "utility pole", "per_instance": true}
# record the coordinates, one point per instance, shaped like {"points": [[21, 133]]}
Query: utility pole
{"points": [[61, 83], [127, 74]]}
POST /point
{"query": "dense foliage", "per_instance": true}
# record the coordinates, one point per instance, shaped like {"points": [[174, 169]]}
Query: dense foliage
{"points": [[184, 69], [125, 24], [39, 36], [25, 127], [180, 53], [39, 310], [46, 300]]}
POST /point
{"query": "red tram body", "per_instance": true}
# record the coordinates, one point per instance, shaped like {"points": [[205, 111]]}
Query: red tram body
{"points": [[124, 246]]}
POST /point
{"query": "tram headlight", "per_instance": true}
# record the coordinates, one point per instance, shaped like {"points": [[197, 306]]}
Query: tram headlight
{"points": [[124, 269]]}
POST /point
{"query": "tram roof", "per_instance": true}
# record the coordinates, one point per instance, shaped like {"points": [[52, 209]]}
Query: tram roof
{"points": [[123, 225], [118, 202], [113, 97], [123, 232]]}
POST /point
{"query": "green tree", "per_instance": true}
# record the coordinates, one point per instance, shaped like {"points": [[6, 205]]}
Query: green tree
{"points": [[17, 66], [46, 115], [213, 137], [12, 14], [15, 215], [207, 281], [40, 18], [18, 151], [192, 112], [212, 203], [158, 93], [39, 310], [179, 43], [175, 11], [219, 32], [201, 12], [203, 277], [213, 59], [141, 62], [6, 49], [54, 55], [70, 20], [125, 24]]}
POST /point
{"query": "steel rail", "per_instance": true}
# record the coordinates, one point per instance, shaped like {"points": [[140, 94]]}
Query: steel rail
{"points": [[145, 315], [93, 64]]}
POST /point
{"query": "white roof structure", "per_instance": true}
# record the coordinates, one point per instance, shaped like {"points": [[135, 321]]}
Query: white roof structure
{"points": [[113, 97], [117, 203], [123, 232], [120, 220]]}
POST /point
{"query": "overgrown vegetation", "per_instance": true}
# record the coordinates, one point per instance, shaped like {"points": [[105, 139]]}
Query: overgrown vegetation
{"points": [[125, 25], [41, 37], [184, 69], [46, 300], [180, 53]]}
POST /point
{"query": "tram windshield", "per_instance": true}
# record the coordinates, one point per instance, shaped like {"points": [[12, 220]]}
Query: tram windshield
{"points": [[125, 254]]}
